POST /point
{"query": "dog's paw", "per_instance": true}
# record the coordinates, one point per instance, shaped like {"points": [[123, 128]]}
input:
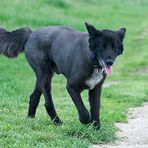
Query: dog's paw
{"points": [[31, 116], [57, 122], [96, 124]]}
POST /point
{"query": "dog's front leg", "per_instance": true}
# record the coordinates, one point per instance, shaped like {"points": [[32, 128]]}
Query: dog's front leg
{"points": [[94, 100], [76, 97]]}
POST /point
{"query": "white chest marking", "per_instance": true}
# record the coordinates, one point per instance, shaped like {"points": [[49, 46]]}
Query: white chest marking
{"points": [[94, 79]]}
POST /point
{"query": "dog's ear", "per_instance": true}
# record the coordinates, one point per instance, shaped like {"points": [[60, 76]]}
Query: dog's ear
{"points": [[121, 33], [92, 31]]}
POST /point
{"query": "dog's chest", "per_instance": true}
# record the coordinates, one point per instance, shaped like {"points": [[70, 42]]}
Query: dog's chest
{"points": [[94, 79]]}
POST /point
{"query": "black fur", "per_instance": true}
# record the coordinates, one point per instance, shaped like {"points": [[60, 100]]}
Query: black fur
{"points": [[69, 52]]}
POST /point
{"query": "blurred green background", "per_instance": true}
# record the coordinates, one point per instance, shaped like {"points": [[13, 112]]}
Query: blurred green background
{"points": [[128, 84]]}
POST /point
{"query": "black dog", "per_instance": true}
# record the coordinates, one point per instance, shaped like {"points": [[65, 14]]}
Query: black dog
{"points": [[83, 58]]}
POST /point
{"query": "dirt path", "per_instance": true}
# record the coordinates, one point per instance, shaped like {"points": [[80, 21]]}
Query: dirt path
{"points": [[134, 133]]}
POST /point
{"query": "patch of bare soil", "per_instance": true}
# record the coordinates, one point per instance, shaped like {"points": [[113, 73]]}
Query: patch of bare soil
{"points": [[134, 133]]}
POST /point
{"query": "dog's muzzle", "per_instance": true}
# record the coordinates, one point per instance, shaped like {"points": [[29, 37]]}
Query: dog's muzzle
{"points": [[106, 66]]}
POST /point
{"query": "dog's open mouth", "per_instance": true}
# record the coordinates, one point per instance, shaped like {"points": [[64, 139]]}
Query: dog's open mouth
{"points": [[107, 69]]}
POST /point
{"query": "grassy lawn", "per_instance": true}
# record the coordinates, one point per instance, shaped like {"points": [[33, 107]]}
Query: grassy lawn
{"points": [[17, 78]]}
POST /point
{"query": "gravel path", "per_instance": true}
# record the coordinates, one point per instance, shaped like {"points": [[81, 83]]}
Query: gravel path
{"points": [[134, 133]]}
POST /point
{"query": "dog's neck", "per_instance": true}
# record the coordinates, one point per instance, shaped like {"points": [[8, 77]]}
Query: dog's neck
{"points": [[95, 78]]}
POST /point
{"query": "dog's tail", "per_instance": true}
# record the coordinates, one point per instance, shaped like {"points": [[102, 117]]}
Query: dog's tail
{"points": [[13, 43]]}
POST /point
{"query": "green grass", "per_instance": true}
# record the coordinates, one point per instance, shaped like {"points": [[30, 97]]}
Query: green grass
{"points": [[17, 79]]}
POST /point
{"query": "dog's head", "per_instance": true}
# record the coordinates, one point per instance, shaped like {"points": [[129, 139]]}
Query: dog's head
{"points": [[106, 45]]}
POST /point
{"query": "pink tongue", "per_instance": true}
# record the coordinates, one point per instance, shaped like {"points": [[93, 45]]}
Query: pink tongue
{"points": [[108, 70]]}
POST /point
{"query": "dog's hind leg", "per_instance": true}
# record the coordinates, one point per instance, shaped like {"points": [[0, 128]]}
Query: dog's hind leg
{"points": [[45, 85], [34, 100], [41, 64]]}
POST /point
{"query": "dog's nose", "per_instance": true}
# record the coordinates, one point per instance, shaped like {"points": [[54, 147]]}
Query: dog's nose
{"points": [[109, 62]]}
